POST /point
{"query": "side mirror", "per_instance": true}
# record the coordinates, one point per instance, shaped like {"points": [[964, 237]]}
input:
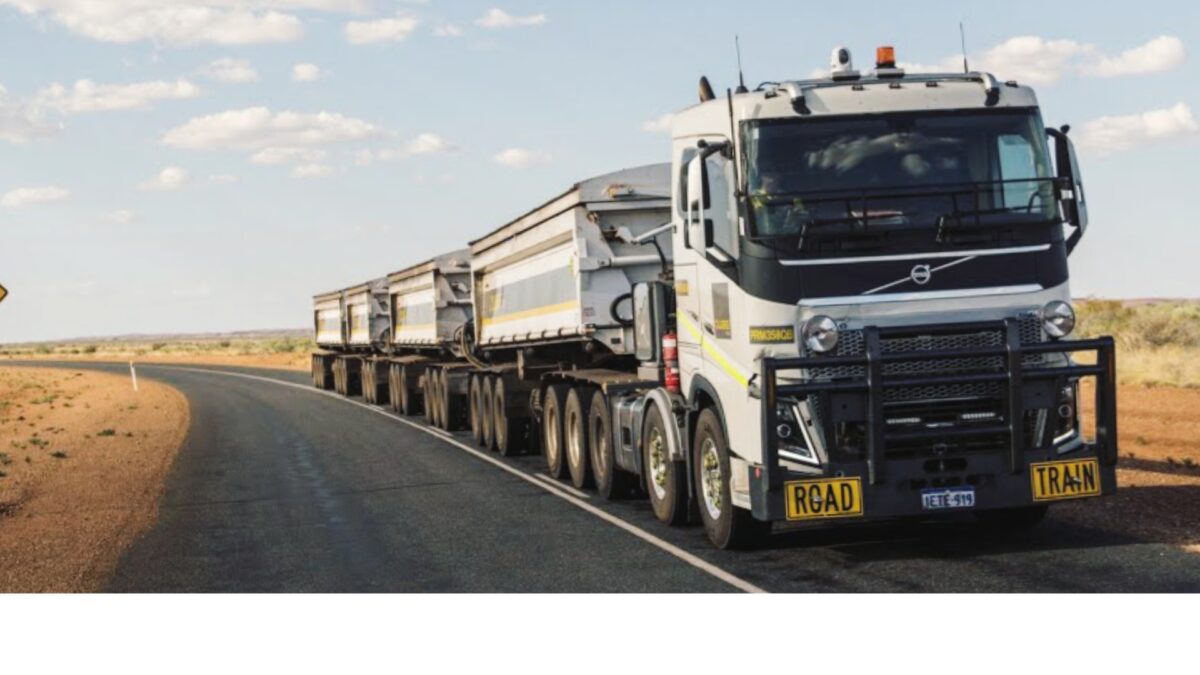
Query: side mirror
{"points": [[1074, 200], [698, 199]]}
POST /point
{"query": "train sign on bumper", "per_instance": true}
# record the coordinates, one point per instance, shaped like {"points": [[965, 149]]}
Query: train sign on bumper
{"points": [[825, 498], [1065, 480]]}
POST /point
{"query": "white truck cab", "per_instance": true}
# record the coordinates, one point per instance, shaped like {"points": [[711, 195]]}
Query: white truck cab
{"points": [[872, 290]]}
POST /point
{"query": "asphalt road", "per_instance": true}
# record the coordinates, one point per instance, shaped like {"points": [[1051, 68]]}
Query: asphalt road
{"points": [[283, 488]]}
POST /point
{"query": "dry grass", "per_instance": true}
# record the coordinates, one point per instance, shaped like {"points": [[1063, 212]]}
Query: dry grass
{"points": [[275, 351], [1158, 342]]}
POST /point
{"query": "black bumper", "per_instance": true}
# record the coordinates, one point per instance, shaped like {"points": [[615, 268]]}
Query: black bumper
{"points": [[892, 486]]}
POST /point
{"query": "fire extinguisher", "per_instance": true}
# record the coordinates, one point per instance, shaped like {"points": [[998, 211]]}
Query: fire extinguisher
{"points": [[670, 354]]}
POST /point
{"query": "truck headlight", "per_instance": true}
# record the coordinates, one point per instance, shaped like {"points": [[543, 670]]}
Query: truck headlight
{"points": [[1058, 319], [820, 334]]}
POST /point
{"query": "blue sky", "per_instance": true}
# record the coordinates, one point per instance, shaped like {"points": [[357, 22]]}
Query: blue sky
{"points": [[165, 167]]}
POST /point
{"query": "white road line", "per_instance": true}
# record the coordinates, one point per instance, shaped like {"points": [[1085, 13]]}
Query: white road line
{"points": [[555, 489], [558, 484]]}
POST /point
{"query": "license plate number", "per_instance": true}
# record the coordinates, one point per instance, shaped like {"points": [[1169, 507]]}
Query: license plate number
{"points": [[1065, 480], [824, 498], [948, 498]]}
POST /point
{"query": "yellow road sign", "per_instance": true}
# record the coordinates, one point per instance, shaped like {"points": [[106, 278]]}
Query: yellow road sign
{"points": [[3, 293]]}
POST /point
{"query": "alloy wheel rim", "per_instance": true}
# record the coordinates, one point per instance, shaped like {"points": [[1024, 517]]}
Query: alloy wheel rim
{"points": [[658, 464], [710, 479]]}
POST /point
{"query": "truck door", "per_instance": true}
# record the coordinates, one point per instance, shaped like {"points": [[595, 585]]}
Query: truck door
{"points": [[687, 298], [713, 239]]}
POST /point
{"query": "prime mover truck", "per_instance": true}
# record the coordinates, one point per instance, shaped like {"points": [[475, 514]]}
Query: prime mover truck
{"points": [[844, 299]]}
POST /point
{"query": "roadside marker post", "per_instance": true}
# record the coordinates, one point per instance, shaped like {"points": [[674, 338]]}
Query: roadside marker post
{"points": [[133, 375]]}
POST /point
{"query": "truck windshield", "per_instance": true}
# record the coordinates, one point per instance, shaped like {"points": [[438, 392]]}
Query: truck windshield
{"points": [[935, 171]]}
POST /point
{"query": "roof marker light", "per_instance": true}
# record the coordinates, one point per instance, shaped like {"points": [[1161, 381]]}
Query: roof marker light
{"points": [[885, 57]]}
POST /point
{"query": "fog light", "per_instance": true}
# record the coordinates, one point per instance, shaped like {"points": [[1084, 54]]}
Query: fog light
{"points": [[820, 334], [1058, 319]]}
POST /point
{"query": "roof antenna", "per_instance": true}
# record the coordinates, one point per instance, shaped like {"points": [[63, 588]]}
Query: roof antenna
{"points": [[962, 37], [741, 88]]}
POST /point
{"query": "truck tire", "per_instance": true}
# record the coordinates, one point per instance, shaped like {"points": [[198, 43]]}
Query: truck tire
{"points": [[368, 382], [552, 430], [1012, 520], [509, 439], [410, 398], [429, 391], [727, 526], [393, 379], [336, 369], [474, 406], [575, 434], [450, 411], [666, 481], [612, 482], [487, 385]]}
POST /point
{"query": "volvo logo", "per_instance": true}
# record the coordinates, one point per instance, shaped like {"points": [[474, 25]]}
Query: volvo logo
{"points": [[921, 274]]}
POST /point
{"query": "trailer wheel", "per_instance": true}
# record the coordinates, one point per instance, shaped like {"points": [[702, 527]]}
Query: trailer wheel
{"points": [[505, 428], [368, 382], [473, 409], [552, 430], [612, 482], [449, 412], [487, 385], [429, 390], [666, 481], [575, 433], [336, 369], [726, 525]]}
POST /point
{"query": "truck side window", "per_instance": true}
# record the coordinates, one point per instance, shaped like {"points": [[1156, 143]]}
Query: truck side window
{"points": [[720, 180], [681, 201]]}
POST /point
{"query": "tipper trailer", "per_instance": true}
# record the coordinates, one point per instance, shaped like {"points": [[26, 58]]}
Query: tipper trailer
{"points": [[844, 299]]}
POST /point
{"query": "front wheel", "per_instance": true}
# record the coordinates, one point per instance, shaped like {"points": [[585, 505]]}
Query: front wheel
{"points": [[666, 480], [726, 525]]}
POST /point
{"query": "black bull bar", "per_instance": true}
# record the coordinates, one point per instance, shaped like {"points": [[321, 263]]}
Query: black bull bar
{"points": [[769, 481]]}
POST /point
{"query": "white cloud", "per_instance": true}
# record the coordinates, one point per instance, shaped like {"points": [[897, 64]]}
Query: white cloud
{"points": [[660, 124], [1031, 59], [392, 29], [21, 121], [170, 178], [518, 158], [29, 196], [311, 171], [1034, 60], [1162, 53], [258, 128], [448, 30], [288, 155], [182, 22], [498, 18], [87, 96], [1107, 135], [236, 71], [423, 144], [121, 217], [306, 72], [428, 144]]}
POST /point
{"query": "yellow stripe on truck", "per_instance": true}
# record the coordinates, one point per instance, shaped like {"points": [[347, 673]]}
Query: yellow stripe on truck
{"points": [[713, 350], [527, 313]]}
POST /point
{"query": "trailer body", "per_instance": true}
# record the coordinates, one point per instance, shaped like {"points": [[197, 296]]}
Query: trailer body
{"points": [[554, 273], [431, 302]]}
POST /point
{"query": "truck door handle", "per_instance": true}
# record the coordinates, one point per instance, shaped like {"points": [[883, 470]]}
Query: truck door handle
{"points": [[708, 328]]}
